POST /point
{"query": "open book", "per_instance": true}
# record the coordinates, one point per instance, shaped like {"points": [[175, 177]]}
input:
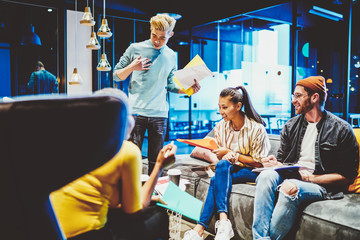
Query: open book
{"points": [[208, 143]]}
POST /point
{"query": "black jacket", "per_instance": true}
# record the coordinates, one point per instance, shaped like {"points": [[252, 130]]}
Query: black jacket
{"points": [[336, 148]]}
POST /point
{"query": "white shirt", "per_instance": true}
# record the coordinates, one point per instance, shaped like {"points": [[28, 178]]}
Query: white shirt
{"points": [[307, 153]]}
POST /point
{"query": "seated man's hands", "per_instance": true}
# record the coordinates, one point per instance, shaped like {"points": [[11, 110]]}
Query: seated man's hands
{"points": [[270, 161], [166, 155]]}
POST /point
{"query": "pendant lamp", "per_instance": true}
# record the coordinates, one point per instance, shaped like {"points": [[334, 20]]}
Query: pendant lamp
{"points": [[103, 65], [93, 42], [87, 18], [30, 37], [104, 30], [76, 78]]}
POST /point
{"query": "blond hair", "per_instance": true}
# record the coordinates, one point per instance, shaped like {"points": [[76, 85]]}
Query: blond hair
{"points": [[163, 22]]}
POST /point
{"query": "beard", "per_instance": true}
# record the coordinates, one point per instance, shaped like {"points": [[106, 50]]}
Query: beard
{"points": [[306, 107]]}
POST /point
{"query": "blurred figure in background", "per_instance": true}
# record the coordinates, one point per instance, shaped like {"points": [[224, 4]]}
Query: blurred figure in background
{"points": [[41, 81]]}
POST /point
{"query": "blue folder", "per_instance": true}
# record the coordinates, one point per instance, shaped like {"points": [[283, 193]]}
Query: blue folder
{"points": [[180, 201]]}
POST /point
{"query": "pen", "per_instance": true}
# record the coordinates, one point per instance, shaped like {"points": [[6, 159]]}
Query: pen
{"points": [[167, 152]]}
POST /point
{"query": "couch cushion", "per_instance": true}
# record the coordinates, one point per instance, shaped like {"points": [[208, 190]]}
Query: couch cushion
{"points": [[319, 220], [355, 187]]}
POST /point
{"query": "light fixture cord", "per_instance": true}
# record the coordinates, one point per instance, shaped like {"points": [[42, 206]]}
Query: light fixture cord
{"points": [[75, 32], [93, 16], [104, 9]]}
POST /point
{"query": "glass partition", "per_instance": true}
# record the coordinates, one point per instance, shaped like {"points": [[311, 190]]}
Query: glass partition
{"points": [[28, 33], [251, 49]]}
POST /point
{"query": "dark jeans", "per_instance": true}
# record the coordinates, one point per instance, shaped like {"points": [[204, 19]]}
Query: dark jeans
{"points": [[150, 224], [156, 127]]}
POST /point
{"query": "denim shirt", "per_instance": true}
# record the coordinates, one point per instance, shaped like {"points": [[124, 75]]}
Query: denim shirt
{"points": [[336, 148]]}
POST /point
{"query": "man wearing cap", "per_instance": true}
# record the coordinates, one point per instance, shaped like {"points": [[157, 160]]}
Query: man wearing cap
{"points": [[315, 139]]}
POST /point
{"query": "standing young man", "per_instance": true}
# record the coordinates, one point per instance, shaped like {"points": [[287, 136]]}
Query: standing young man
{"points": [[151, 64], [316, 139]]}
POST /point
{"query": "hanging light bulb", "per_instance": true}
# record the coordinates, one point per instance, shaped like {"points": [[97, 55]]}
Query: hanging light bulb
{"points": [[104, 30], [87, 18], [103, 65], [76, 78], [93, 42]]}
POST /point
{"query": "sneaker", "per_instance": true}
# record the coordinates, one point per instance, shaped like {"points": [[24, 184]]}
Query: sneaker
{"points": [[192, 235], [223, 229]]}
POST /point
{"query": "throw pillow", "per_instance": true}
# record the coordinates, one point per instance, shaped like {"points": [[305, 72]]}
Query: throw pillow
{"points": [[204, 154], [355, 187]]}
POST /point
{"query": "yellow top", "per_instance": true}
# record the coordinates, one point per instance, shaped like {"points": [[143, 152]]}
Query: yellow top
{"points": [[82, 205]]}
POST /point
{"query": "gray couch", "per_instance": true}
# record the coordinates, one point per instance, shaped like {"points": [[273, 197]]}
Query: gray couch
{"points": [[331, 219]]}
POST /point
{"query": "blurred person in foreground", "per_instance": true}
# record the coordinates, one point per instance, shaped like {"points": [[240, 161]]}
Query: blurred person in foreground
{"points": [[110, 202]]}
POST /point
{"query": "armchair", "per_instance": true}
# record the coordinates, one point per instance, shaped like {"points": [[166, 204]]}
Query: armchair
{"points": [[46, 142]]}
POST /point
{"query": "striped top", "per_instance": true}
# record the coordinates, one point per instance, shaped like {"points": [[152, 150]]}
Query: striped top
{"points": [[252, 138]]}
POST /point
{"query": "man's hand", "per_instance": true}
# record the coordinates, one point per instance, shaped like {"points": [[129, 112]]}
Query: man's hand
{"points": [[196, 87], [166, 155], [140, 64], [221, 152], [270, 161]]}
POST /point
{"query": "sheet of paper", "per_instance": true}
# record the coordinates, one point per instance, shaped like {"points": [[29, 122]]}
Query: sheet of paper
{"points": [[186, 76], [207, 143], [181, 202], [194, 62]]}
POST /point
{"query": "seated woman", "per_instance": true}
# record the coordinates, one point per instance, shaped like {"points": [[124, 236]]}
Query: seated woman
{"points": [[243, 142], [110, 202]]}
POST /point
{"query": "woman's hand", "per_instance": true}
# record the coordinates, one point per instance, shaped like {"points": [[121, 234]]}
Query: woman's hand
{"points": [[157, 198], [231, 157], [166, 155], [221, 152]]}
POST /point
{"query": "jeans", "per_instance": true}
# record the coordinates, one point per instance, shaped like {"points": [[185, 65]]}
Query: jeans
{"points": [[273, 220], [156, 127], [220, 187]]}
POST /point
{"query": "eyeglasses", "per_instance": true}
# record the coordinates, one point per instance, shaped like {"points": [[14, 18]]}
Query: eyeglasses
{"points": [[298, 95]]}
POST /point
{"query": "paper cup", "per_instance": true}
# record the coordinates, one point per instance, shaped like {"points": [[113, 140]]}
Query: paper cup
{"points": [[174, 175]]}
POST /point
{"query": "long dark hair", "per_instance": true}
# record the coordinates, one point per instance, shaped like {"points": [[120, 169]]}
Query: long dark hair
{"points": [[236, 97]]}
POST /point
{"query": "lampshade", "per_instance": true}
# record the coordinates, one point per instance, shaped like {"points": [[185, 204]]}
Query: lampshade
{"points": [[103, 65], [93, 42], [30, 37], [87, 18], [76, 78], [104, 30]]}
